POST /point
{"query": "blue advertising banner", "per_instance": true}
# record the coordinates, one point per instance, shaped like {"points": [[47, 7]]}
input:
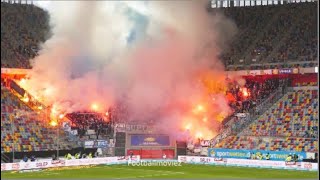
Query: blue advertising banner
{"points": [[248, 154], [149, 140]]}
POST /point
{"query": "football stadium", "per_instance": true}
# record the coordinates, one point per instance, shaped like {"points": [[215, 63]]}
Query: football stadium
{"points": [[159, 89]]}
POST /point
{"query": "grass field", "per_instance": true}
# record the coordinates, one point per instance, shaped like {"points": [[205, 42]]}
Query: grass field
{"points": [[183, 171]]}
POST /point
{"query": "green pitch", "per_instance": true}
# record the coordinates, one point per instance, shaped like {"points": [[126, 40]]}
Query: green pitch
{"points": [[183, 171]]}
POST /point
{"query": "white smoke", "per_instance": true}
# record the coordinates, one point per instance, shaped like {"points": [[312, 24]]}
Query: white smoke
{"points": [[89, 59]]}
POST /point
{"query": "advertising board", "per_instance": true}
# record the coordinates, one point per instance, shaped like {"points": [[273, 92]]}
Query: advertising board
{"points": [[247, 154], [63, 163], [149, 140], [249, 163]]}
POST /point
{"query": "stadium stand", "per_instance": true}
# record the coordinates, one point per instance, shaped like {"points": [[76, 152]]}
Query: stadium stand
{"points": [[271, 144], [293, 116], [248, 24], [293, 121], [274, 36], [301, 42]]}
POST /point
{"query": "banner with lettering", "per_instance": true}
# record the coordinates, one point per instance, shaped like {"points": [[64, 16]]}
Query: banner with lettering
{"points": [[96, 144], [247, 154], [285, 71]]}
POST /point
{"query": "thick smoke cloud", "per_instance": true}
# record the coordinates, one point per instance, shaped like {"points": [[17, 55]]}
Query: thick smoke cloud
{"points": [[148, 53]]}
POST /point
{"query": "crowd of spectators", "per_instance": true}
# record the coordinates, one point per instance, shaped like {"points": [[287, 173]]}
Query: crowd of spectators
{"points": [[248, 20], [23, 28], [301, 45], [271, 37], [83, 122], [252, 93], [279, 33]]}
